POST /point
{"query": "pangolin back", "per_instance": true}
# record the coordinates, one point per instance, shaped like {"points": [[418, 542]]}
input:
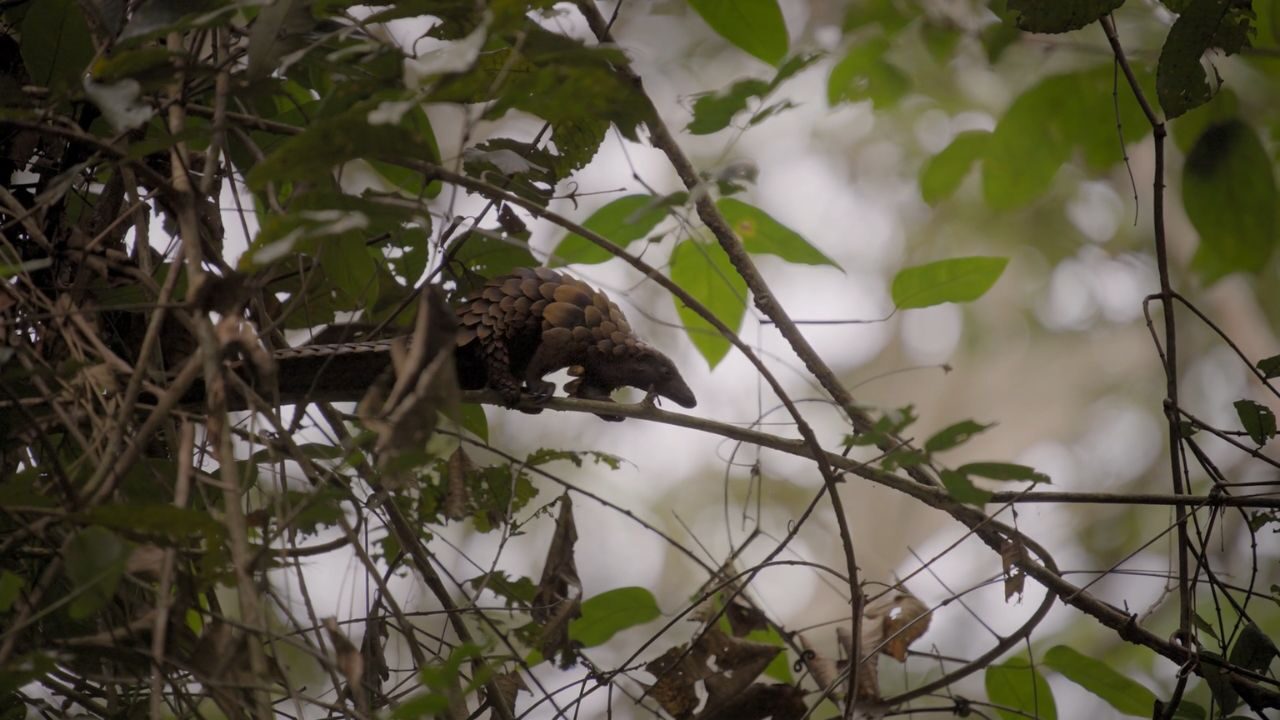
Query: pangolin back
{"points": [[520, 326]]}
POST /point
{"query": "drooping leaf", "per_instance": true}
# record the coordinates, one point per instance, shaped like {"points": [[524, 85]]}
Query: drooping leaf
{"points": [[10, 585], [1017, 686], [956, 280], [611, 612], [713, 112], [1253, 650], [335, 140], [1101, 679], [865, 74], [95, 560], [1270, 367], [705, 272], [1181, 81], [622, 221], [953, 435], [56, 47], [1005, 472], [1216, 677], [755, 26], [1257, 420], [1056, 16], [1229, 192], [960, 487], [761, 234], [943, 173]]}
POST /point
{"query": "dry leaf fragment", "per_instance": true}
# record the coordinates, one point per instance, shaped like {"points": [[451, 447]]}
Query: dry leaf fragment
{"points": [[1013, 552], [402, 406], [725, 665], [509, 686], [559, 596], [349, 660], [456, 496], [776, 701]]}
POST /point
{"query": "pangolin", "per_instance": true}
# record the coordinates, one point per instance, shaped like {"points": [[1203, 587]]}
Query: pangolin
{"points": [[519, 327]]}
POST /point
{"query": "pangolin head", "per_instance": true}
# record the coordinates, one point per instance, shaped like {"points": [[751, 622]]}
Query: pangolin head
{"points": [[649, 370]]}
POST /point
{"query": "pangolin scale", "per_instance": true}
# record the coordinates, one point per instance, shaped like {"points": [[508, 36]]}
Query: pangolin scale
{"points": [[519, 327]]}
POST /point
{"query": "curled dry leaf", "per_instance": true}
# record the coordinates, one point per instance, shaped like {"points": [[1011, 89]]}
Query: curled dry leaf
{"points": [[559, 596], [349, 661], [403, 405], [509, 685], [1013, 552], [456, 496], [726, 667]]}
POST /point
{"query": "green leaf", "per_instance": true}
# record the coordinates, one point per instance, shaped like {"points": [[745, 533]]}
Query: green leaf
{"points": [[334, 140], [1017, 686], [349, 263], [160, 519], [56, 47], [705, 272], [761, 234], [1189, 711], [10, 586], [865, 74], [713, 112], [954, 435], [1229, 192], [1057, 16], [962, 489], [474, 420], [611, 612], [1099, 678], [1257, 420], [1004, 472], [1253, 650], [621, 221], [944, 172], [956, 280], [1216, 677], [755, 26], [1181, 82], [1269, 367], [95, 561]]}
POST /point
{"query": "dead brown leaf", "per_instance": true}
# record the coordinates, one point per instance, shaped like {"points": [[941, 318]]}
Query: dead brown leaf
{"points": [[456, 496], [1012, 552], [559, 595], [403, 406], [725, 665]]}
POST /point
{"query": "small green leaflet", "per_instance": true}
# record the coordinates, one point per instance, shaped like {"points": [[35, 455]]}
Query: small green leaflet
{"points": [[962, 488], [1101, 679], [704, 271], [1181, 81], [1270, 367], [755, 26], [1016, 685], [10, 585], [943, 173], [954, 435], [621, 221], [713, 111], [95, 561], [1257, 420], [611, 612], [955, 280], [865, 74], [1229, 192], [1004, 472], [761, 234]]}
